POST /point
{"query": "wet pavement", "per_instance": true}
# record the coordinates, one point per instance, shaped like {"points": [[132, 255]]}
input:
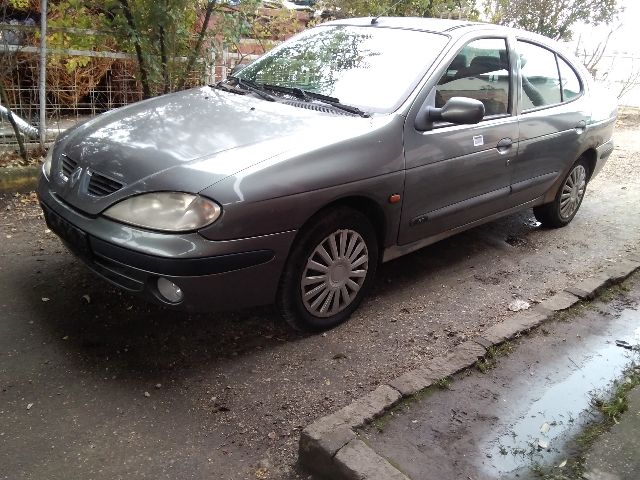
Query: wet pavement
{"points": [[524, 413]]}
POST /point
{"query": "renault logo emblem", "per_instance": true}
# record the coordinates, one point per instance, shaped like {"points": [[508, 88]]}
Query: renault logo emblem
{"points": [[75, 176]]}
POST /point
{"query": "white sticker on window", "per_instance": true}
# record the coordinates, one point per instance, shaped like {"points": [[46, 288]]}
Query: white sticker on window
{"points": [[478, 140]]}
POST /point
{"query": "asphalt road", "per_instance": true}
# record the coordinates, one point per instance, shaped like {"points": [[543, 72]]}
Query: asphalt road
{"points": [[96, 384]]}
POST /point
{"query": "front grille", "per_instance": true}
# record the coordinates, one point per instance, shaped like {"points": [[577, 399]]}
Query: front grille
{"points": [[68, 165], [101, 186]]}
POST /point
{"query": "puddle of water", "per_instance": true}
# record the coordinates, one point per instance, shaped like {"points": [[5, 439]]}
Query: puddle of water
{"points": [[539, 435]]}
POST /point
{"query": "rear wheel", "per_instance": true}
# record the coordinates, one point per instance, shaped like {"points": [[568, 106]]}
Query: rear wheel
{"points": [[330, 269], [564, 207]]}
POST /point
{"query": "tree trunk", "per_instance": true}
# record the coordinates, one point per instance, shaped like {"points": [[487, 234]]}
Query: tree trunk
{"points": [[14, 125], [144, 76], [163, 60], [196, 50]]}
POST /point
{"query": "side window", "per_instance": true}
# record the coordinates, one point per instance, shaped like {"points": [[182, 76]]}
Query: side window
{"points": [[570, 82], [480, 71], [540, 79]]}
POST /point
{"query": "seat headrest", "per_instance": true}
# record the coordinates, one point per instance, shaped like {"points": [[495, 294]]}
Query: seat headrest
{"points": [[459, 62], [487, 63]]}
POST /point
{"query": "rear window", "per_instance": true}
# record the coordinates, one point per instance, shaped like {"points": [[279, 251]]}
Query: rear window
{"points": [[571, 86], [540, 78]]}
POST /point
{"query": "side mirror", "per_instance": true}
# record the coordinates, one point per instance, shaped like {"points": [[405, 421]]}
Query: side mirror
{"points": [[460, 110]]}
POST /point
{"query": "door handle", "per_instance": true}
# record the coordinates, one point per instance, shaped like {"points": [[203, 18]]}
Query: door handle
{"points": [[504, 145], [581, 126]]}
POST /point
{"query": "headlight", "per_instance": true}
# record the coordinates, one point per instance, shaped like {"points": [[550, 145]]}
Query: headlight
{"points": [[46, 167], [165, 211]]}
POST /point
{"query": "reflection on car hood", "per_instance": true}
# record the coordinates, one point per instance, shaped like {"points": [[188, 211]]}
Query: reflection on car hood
{"points": [[142, 145]]}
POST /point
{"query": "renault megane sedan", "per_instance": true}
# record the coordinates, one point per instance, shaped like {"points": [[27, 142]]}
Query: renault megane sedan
{"points": [[351, 144]]}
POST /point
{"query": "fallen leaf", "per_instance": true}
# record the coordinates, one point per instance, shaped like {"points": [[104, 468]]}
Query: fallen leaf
{"points": [[262, 473]]}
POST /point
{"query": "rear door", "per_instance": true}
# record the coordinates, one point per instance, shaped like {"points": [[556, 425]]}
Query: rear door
{"points": [[553, 118], [459, 173]]}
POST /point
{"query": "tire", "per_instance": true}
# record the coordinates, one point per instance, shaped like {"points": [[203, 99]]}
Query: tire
{"points": [[565, 205], [335, 253]]}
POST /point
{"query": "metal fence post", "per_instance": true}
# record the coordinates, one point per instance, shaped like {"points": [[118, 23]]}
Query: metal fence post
{"points": [[42, 80]]}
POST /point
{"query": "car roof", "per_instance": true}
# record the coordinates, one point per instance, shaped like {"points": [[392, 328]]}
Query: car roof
{"points": [[453, 28], [438, 25], [458, 28]]}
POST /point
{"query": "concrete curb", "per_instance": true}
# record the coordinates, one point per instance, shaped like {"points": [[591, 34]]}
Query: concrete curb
{"points": [[18, 179], [330, 447]]}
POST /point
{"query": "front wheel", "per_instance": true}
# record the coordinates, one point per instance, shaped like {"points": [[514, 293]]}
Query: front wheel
{"points": [[329, 270], [564, 207]]}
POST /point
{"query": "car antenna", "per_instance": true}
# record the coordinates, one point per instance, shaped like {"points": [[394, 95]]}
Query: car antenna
{"points": [[374, 20]]}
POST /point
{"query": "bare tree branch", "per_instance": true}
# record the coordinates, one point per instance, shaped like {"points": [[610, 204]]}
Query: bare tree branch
{"points": [[14, 125], [196, 51], [631, 82], [134, 35]]}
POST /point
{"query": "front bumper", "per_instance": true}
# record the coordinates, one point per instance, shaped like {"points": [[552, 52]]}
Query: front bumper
{"points": [[212, 275]]}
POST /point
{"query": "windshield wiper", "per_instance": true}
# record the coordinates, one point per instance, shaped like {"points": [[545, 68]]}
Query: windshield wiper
{"points": [[253, 87], [337, 104], [307, 95], [223, 86]]}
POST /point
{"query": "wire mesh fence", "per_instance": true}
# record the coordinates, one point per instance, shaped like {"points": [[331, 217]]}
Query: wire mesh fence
{"points": [[71, 97], [97, 81]]}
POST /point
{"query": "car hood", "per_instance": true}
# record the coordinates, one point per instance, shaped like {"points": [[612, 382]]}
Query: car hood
{"points": [[189, 140]]}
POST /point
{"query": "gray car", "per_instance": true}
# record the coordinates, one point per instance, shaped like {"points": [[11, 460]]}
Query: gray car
{"points": [[351, 144]]}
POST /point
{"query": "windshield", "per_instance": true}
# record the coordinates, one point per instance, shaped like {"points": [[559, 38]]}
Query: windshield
{"points": [[371, 68]]}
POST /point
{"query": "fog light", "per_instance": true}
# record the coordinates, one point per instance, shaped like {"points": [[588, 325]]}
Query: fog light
{"points": [[169, 290]]}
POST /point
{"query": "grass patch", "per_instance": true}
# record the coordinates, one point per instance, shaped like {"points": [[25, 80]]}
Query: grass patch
{"points": [[490, 360], [572, 470], [380, 423], [444, 383], [572, 312], [612, 407], [590, 434], [606, 295], [612, 292]]}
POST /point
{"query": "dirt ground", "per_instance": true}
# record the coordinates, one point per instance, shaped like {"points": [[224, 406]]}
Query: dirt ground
{"points": [[10, 158], [97, 384]]}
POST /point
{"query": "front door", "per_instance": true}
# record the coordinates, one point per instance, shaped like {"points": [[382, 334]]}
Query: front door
{"points": [[456, 174]]}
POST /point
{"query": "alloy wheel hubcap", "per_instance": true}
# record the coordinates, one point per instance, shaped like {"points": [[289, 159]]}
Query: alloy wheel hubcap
{"points": [[572, 192], [335, 273]]}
